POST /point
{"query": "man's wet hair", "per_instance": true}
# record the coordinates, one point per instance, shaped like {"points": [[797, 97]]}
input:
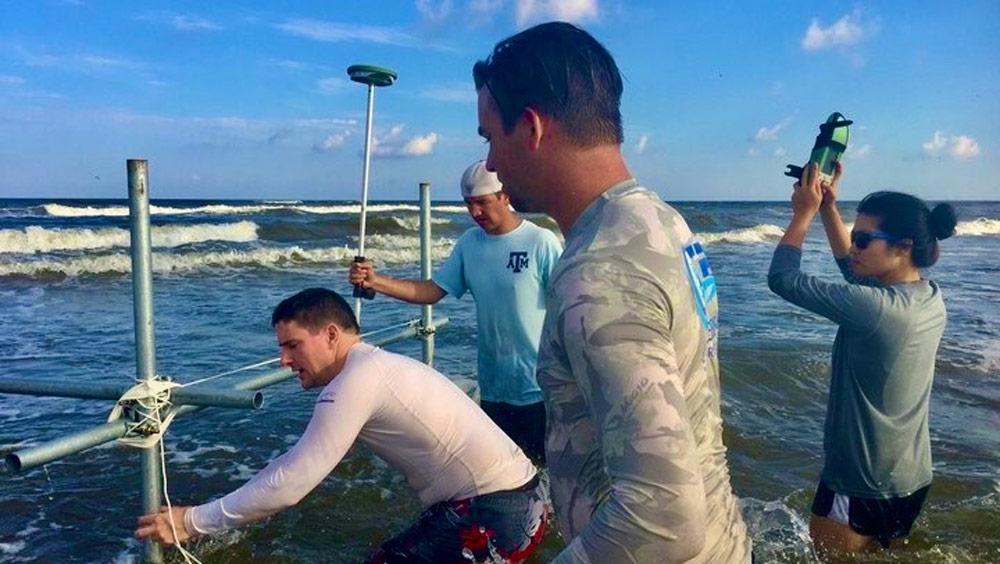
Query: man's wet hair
{"points": [[559, 70], [315, 308]]}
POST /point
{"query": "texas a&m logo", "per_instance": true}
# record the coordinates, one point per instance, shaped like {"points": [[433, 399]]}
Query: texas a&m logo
{"points": [[518, 260]]}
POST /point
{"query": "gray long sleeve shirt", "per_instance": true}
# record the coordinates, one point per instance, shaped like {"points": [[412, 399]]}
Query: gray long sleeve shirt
{"points": [[876, 441], [629, 370]]}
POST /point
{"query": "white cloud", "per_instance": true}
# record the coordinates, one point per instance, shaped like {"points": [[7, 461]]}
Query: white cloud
{"points": [[463, 93], [76, 62], [574, 11], [287, 64], [322, 123], [434, 11], [10, 79], [319, 30], [844, 34], [419, 146], [225, 122], [333, 141], [771, 133], [486, 7], [105, 62], [333, 32], [846, 31], [779, 152], [964, 147], [35, 60], [640, 146], [392, 145], [180, 22], [856, 152], [958, 146], [331, 84]]}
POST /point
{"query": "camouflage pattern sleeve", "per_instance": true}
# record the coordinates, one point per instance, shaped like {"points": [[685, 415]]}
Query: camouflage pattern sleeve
{"points": [[613, 332]]}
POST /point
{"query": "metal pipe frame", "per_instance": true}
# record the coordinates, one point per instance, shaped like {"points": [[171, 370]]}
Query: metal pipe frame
{"points": [[208, 397], [65, 446], [427, 328], [141, 249], [44, 453], [145, 347]]}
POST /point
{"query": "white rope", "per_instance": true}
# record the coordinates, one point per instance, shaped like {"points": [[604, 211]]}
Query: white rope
{"points": [[188, 557], [234, 371], [409, 323]]}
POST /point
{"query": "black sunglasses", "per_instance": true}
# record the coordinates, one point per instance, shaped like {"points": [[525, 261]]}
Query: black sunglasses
{"points": [[861, 239]]}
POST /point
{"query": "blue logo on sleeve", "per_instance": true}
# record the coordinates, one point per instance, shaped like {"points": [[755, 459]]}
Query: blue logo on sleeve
{"points": [[701, 279]]}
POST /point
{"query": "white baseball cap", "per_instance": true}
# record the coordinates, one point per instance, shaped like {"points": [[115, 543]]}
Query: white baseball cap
{"points": [[477, 181]]}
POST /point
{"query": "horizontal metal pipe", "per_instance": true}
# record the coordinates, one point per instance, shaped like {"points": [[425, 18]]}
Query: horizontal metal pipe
{"points": [[264, 380], [213, 397], [267, 379], [407, 333], [83, 390], [52, 450], [61, 388], [47, 452]]}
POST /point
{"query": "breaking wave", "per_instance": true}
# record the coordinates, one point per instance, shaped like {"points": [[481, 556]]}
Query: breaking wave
{"points": [[757, 234], [62, 210], [383, 249], [978, 227], [35, 239]]}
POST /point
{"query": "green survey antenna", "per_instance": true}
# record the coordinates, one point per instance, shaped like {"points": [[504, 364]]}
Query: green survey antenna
{"points": [[830, 146]]}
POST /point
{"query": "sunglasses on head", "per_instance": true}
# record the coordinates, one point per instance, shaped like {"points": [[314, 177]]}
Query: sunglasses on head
{"points": [[861, 239]]}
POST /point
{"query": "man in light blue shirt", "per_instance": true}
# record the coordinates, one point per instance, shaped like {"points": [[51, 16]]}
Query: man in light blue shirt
{"points": [[505, 264]]}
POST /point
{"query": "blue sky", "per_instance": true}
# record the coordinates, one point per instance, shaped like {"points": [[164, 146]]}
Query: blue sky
{"points": [[244, 100]]}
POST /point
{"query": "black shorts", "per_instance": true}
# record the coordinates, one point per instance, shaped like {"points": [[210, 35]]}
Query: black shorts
{"points": [[525, 424], [883, 519]]}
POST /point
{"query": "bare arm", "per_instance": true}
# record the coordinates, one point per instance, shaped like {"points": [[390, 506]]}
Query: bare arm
{"points": [[836, 233], [413, 291]]}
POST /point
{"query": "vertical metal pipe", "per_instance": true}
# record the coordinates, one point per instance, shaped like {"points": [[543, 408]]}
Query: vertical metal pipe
{"points": [[364, 186], [142, 306], [427, 313]]}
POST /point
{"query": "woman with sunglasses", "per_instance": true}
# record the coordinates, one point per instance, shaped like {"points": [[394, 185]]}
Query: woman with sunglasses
{"points": [[877, 460]]}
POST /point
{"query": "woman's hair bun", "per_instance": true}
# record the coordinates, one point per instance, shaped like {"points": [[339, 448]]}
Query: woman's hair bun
{"points": [[942, 223]]}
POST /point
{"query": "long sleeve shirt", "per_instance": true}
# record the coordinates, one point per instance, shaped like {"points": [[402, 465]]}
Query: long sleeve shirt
{"points": [[629, 370], [876, 441], [409, 415]]}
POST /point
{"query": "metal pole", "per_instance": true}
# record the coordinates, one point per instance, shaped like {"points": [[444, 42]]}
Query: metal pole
{"points": [[61, 388], [364, 187], [70, 444], [209, 397], [427, 313], [142, 303]]}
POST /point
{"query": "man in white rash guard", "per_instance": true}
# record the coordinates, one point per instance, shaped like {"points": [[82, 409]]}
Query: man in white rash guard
{"points": [[479, 491]]}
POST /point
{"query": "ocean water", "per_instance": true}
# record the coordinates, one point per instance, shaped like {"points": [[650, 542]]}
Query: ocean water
{"points": [[219, 268]]}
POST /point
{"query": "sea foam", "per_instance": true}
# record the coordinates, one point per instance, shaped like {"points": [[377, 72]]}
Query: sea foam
{"points": [[62, 210], [757, 234], [978, 227], [384, 249], [35, 239]]}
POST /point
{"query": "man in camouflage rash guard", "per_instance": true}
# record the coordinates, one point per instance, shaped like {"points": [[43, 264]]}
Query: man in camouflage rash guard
{"points": [[628, 360]]}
